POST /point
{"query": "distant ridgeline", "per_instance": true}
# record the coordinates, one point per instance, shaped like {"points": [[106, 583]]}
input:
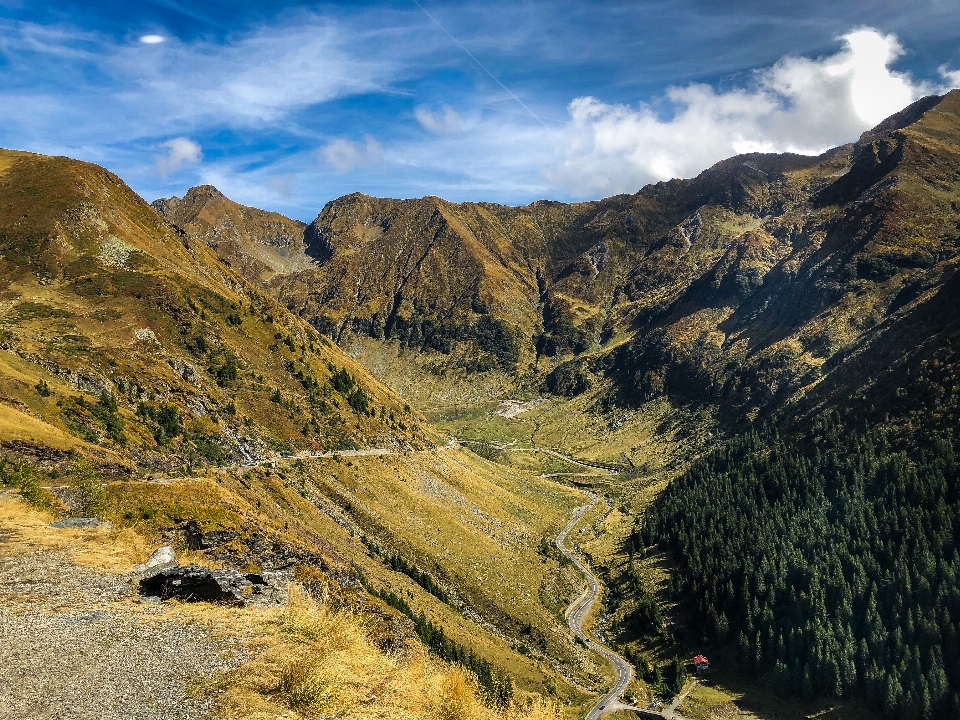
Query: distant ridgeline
{"points": [[827, 562]]}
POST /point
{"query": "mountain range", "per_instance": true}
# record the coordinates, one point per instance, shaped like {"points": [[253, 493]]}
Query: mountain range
{"points": [[723, 361], [767, 281]]}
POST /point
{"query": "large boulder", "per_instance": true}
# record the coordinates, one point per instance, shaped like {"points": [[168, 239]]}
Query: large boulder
{"points": [[193, 583]]}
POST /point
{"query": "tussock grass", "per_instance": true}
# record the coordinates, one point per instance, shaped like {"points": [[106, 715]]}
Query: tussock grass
{"points": [[306, 660], [112, 550], [314, 661]]}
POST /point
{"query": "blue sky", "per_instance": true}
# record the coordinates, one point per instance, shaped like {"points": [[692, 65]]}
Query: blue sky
{"points": [[286, 106]]}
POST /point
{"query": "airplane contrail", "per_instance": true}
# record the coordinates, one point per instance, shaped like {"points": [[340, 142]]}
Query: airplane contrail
{"points": [[481, 66]]}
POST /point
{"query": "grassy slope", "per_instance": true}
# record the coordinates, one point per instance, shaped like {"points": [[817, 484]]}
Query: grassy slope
{"points": [[86, 263], [474, 526], [98, 293]]}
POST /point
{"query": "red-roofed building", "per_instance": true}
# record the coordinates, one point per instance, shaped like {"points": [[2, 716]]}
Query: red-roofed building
{"points": [[701, 664]]}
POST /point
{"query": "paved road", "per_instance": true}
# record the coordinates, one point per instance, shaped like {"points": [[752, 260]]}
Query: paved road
{"points": [[577, 613]]}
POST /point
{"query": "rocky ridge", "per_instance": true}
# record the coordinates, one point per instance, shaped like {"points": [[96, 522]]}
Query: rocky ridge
{"points": [[751, 286]]}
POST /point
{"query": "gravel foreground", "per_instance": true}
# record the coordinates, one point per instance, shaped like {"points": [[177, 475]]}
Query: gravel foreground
{"points": [[76, 644]]}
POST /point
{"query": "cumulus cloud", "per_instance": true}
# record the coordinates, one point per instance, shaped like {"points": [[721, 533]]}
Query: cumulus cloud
{"points": [[179, 151], [345, 155], [446, 122], [798, 105]]}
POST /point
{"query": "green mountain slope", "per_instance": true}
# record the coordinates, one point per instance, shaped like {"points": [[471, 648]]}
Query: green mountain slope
{"points": [[232, 429], [257, 243], [122, 333], [748, 286]]}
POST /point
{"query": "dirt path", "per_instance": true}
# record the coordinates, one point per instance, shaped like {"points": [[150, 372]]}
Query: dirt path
{"points": [[76, 643], [511, 447]]}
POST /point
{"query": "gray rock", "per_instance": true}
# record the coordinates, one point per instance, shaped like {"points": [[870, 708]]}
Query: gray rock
{"points": [[194, 583], [195, 538], [162, 558], [82, 523]]}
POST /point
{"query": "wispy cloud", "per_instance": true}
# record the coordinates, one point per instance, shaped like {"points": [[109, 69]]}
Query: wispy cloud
{"points": [[798, 105], [445, 122], [158, 85], [179, 151], [286, 102]]}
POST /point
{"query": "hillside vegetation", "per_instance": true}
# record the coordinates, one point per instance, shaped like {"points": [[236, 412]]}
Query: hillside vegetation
{"points": [[126, 335], [148, 383]]}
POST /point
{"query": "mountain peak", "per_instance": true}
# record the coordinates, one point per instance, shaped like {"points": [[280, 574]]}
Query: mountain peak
{"points": [[258, 243], [908, 116]]}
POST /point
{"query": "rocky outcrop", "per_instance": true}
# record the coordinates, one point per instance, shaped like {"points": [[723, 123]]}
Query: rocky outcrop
{"points": [[256, 242], [196, 538], [195, 583], [163, 577]]}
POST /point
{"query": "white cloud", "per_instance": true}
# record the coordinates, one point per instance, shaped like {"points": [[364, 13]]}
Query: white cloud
{"points": [[255, 78], [446, 122], [798, 105], [346, 155], [951, 78], [181, 150], [282, 185], [152, 39]]}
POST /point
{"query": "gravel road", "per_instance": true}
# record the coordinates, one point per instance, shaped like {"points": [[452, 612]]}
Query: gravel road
{"points": [[76, 644]]}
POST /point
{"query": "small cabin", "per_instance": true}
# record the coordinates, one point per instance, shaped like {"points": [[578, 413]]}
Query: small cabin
{"points": [[701, 664]]}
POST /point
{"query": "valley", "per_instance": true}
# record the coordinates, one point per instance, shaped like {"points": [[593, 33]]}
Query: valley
{"points": [[751, 376]]}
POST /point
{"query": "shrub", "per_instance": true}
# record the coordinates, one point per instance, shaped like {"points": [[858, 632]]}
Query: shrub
{"points": [[342, 382], [91, 497], [107, 411], [23, 477], [358, 400]]}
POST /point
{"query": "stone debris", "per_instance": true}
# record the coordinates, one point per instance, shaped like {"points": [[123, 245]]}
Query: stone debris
{"points": [[83, 523], [73, 646]]}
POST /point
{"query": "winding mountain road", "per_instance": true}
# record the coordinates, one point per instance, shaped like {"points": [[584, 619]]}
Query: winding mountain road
{"points": [[577, 613]]}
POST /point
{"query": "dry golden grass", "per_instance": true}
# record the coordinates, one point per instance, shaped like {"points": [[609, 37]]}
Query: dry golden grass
{"points": [[312, 661], [113, 550], [17, 425], [306, 659]]}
